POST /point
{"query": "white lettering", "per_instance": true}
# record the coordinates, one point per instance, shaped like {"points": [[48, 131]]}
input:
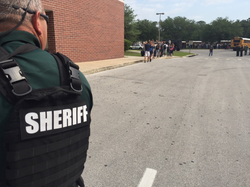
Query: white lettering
{"points": [[74, 116], [29, 119], [67, 118], [57, 119], [85, 112], [79, 114], [45, 121]]}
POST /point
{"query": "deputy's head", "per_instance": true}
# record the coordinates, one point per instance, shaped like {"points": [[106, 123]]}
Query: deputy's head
{"points": [[26, 15]]}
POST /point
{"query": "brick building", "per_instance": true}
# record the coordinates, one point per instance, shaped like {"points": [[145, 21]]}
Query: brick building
{"points": [[86, 30]]}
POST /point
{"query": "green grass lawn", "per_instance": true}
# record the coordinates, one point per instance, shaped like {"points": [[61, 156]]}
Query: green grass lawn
{"points": [[176, 53], [181, 54], [128, 53]]}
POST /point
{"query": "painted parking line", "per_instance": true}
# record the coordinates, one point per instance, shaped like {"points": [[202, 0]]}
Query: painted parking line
{"points": [[148, 178]]}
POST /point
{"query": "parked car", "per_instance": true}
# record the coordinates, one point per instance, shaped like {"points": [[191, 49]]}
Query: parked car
{"points": [[136, 46]]}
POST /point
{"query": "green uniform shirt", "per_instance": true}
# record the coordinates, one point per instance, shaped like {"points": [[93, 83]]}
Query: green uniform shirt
{"points": [[41, 71]]}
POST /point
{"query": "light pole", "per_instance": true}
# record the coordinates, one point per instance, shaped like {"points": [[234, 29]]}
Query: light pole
{"points": [[159, 24]]}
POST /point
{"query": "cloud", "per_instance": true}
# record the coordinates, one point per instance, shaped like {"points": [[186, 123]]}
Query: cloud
{"points": [[181, 7], [215, 2], [147, 13], [206, 10]]}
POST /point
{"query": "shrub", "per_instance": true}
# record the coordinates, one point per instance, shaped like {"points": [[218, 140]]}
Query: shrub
{"points": [[127, 44]]}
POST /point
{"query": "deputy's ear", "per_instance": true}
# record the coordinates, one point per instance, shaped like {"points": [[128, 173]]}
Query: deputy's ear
{"points": [[37, 23]]}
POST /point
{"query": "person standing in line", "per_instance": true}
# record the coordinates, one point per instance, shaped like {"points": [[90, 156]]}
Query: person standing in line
{"points": [[211, 50], [165, 48], [143, 49], [157, 49], [162, 48], [172, 50], [151, 51], [245, 49], [153, 47], [237, 50], [169, 49], [159, 54], [147, 51], [241, 50]]}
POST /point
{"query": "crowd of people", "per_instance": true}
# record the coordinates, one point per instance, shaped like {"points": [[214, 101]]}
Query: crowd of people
{"points": [[156, 49], [241, 49], [207, 46]]}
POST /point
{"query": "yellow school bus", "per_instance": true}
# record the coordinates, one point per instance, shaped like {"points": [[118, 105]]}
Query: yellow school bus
{"points": [[242, 42]]}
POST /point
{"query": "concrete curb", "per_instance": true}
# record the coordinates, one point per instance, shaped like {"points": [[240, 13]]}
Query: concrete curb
{"points": [[191, 55], [110, 67]]}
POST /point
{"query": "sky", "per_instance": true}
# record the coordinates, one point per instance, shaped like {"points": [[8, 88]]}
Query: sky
{"points": [[197, 10]]}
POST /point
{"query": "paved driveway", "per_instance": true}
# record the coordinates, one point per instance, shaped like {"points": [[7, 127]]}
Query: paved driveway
{"points": [[181, 122]]}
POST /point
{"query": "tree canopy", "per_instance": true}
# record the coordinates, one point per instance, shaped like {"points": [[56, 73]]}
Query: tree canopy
{"points": [[181, 28], [130, 31], [148, 30]]}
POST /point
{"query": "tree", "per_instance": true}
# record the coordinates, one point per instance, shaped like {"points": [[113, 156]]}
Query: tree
{"points": [[222, 28], [236, 29], [201, 24], [130, 31], [200, 27], [246, 28], [167, 28], [148, 30], [207, 34], [179, 28]]}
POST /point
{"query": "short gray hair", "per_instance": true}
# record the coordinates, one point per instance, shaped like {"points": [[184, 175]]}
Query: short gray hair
{"points": [[9, 14]]}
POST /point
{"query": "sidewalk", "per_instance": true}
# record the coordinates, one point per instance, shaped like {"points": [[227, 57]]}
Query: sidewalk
{"points": [[96, 66]]}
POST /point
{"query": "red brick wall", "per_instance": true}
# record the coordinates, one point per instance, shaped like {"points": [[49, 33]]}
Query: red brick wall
{"points": [[86, 30]]}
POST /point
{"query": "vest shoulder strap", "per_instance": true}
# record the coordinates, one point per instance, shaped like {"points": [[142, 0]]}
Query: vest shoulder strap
{"points": [[69, 72], [20, 50]]}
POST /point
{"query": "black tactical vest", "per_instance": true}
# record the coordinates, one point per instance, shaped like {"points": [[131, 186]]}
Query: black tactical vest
{"points": [[46, 139]]}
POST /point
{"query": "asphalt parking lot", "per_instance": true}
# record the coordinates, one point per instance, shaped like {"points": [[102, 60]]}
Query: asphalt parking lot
{"points": [[180, 122]]}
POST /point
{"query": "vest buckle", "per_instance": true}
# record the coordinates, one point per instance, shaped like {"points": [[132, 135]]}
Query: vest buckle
{"points": [[15, 77], [75, 81]]}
